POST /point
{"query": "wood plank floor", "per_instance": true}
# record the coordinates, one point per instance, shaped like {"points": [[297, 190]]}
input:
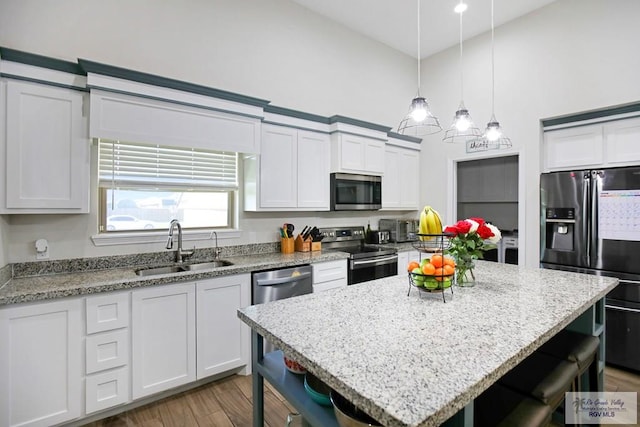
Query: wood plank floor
{"points": [[228, 403]]}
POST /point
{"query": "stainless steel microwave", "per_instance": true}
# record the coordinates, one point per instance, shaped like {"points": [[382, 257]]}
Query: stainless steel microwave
{"points": [[351, 192]]}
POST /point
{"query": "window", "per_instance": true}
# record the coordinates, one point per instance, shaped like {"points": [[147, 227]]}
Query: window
{"points": [[145, 186]]}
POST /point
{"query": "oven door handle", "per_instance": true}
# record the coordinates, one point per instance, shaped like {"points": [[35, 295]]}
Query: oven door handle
{"points": [[617, 308], [376, 261]]}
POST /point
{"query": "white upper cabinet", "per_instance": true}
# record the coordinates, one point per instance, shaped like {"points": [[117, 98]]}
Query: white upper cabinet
{"points": [[291, 172], [610, 144], [401, 179], [577, 147], [622, 142], [357, 154], [46, 149]]}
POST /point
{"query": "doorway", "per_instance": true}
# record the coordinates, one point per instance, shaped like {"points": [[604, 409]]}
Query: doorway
{"points": [[488, 188]]}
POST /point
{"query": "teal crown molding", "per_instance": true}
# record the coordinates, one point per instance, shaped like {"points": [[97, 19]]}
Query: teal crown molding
{"points": [[407, 138], [296, 114], [151, 79], [359, 123], [590, 115], [40, 61]]}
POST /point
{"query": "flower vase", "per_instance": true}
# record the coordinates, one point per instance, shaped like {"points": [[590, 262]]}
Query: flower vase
{"points": [[464, 272]]}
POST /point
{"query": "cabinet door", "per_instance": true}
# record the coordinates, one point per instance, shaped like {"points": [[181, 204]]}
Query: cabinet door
{"points": [[40, 363], [313, 170], [352, 152], [47, 149], [391, 179], [278, 167], [409, 179], [580, 146], [374, 157], [622, 142], [223, 340], [163, 338]]}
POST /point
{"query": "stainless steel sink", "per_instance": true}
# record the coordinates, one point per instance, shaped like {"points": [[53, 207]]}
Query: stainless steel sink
{"points": [[206, 265], [153, 271]]}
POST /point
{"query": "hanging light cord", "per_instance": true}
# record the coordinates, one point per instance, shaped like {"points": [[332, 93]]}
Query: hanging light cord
{"points": [[493, 78], [418, 47], [461, 79]]}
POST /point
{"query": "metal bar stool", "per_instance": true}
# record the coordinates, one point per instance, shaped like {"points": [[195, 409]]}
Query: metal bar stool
{"points": [[503, 407], [580, 349]]}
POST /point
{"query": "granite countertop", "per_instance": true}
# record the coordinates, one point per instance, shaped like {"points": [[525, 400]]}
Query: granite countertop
{"points": [[43, 285], [412, 360]]}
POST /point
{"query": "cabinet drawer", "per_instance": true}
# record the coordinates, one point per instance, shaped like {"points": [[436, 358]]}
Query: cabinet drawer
{"points": [[325, 286], [107, 350], [107, 389], [107, 312], [328, 271]]}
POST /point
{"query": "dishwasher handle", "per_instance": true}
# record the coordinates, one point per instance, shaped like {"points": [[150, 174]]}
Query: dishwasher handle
{"points": [[282, 280]]}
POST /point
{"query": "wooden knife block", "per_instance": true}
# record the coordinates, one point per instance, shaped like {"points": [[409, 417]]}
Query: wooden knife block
{"points": [[302, 245]]}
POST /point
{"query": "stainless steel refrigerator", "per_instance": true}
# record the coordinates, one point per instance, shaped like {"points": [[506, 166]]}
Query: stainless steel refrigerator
{"points": [[590, 223]]}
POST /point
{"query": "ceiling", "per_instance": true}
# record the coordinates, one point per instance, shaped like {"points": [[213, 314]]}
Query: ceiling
{"points": [[394, 22]]}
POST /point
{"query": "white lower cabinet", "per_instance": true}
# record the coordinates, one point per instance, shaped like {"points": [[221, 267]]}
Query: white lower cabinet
{"points": [[40, 363], [222, 339], [329, 275], [106, 389], [163, 337]]}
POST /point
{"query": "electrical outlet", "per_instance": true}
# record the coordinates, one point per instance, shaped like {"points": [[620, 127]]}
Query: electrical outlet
{"points": [[42, 249]]}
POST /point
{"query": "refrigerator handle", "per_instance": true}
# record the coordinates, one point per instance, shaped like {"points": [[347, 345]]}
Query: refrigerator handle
{"points": [[596, 178], [586, 207]]}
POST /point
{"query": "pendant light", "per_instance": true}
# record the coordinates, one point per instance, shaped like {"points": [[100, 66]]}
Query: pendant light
{"points": [[462, 129], [493, 136], [419, 121]]}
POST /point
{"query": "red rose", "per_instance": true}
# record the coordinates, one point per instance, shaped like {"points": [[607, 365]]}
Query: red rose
{"points": [[451, 229], [463, 227], [480, 221], [484, 232]]}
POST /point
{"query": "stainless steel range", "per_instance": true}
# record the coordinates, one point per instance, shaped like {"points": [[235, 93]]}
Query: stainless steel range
{"points": [[366, 262]]}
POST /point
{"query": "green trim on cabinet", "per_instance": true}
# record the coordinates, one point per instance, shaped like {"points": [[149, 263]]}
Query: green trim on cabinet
{"points": [[40, 61], [590, 115], [407, 138], [44, 82], [359, 123], [295, 113], [151, 79]]}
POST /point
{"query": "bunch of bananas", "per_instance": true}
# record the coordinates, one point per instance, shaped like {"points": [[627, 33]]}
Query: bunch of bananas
{"points": [[430, 223]]}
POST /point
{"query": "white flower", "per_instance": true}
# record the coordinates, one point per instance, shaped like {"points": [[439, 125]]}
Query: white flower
{"points": [[496, 234], [474, 225]]}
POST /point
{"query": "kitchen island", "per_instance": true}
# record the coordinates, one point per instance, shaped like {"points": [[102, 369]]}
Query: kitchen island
{"points": [[413, 360]]}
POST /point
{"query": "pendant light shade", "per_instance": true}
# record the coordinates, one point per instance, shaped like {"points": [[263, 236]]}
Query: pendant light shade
{"points": [[462, 128], [419, 121], [493, 137]]}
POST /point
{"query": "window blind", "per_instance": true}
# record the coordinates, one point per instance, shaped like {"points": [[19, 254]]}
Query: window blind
{"points": [[126, 164]]}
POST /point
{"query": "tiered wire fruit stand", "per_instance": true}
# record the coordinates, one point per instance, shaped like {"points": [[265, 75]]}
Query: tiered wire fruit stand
{"points": [[431, 284]]}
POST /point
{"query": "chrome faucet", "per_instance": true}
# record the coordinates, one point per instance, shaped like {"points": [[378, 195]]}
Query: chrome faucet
{"points": [[180, 253], [216, 251]]}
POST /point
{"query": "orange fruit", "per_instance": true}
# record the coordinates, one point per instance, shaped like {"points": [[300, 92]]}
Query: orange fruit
{"points": [[428, 269], [438, 274], [448, 270], [436, 260], [412, 265], [449, 261]]}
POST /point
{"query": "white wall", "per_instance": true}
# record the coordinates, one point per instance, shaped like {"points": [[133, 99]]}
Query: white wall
{"points": [[568, 57], [3, 240], [270, 49]]}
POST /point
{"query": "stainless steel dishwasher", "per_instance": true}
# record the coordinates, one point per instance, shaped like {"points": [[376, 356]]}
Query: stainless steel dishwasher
{"points": [[272, 285]]}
